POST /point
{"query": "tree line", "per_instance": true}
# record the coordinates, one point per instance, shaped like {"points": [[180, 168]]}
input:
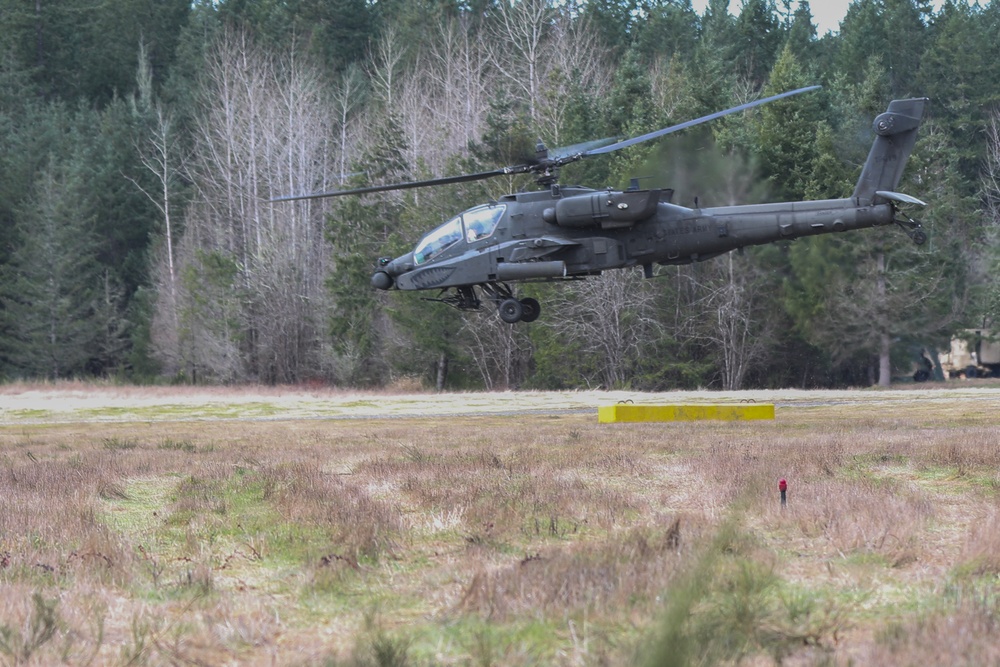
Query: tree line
{"points": [[142, 141]]}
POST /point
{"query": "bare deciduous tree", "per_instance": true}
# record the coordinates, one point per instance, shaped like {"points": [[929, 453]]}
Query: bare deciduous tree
{"points": [[163, 156], [446, 97], [541, 51], [520, 49], [574, 55], [612, 320], [385, 65], [261, 268], [991, 172], [991, 195], [459, 68], [348, 97], [733, 318], [500, 351]]}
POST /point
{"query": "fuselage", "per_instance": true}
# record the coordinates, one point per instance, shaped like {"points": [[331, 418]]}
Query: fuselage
{"points": [[570, 232]]}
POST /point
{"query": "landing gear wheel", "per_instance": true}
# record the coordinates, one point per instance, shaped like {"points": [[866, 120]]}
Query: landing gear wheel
{"points": [[532, 309], [919, 237], [511, 311]]}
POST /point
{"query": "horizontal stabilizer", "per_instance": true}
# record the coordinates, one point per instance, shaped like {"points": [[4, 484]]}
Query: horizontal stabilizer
{"points": [[899, 197]]}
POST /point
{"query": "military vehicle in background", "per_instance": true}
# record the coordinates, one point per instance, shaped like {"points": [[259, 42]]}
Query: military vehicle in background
{"points": [[974, 353]]}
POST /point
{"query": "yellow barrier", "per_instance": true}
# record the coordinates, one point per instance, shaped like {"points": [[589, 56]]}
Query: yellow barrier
{"points": [[625, 412]]}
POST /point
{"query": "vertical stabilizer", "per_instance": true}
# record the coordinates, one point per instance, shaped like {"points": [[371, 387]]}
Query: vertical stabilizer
{"points": [[896, 133]]}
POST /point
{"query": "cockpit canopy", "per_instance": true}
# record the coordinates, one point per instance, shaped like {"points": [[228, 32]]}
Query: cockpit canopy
{"points": [[474, 225]]}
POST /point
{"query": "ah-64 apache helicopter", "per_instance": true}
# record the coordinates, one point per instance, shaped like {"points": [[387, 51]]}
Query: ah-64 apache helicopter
{"points": [[573, 232]]}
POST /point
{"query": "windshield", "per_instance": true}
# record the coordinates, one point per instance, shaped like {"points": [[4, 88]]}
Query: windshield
{"points": [[437, 241], [479, 223]]}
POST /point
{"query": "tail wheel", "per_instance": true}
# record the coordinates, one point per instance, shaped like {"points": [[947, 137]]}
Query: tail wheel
{"points": [[511, 311], [532, 309]]}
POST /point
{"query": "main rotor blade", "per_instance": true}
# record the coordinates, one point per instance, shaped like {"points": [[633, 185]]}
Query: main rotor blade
{"points": [[464, 178], [697, 121], [560, 156], [584, 148]]}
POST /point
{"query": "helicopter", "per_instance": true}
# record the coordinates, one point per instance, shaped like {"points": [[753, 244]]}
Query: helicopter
{"points": [[570, 233]]}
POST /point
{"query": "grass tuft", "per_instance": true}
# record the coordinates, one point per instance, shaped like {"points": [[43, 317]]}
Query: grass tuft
{"points": [[40, 627], [119, 444]]}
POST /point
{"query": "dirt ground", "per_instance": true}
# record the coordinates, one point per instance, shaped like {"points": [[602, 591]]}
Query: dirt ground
{"points": [[72, 402]]}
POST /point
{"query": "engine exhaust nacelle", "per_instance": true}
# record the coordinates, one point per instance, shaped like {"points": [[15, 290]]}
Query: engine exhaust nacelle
{"points": [[604, 210]]}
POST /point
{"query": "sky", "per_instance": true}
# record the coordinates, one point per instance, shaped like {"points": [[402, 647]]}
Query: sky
{"points": [[827, 14]]}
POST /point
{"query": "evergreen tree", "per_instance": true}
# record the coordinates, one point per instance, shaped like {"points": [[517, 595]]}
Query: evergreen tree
{"points": [[337, 31], [50, 285], [128, 219], [894, 30], [758, 40], [18, 104], [67, 44], [108, 65], [801, 38], [829, 175], [862, 35], [824, 268], [614, 21], [786, 131], [629, 111], [865, 299], [508, 137], [583, 122], [906, 36], [960, 75], [714, 60], [359, 229], [669, 30]]}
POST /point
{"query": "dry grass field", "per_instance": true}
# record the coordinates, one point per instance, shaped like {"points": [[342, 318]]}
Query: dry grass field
{"points": [[304, 527]]}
